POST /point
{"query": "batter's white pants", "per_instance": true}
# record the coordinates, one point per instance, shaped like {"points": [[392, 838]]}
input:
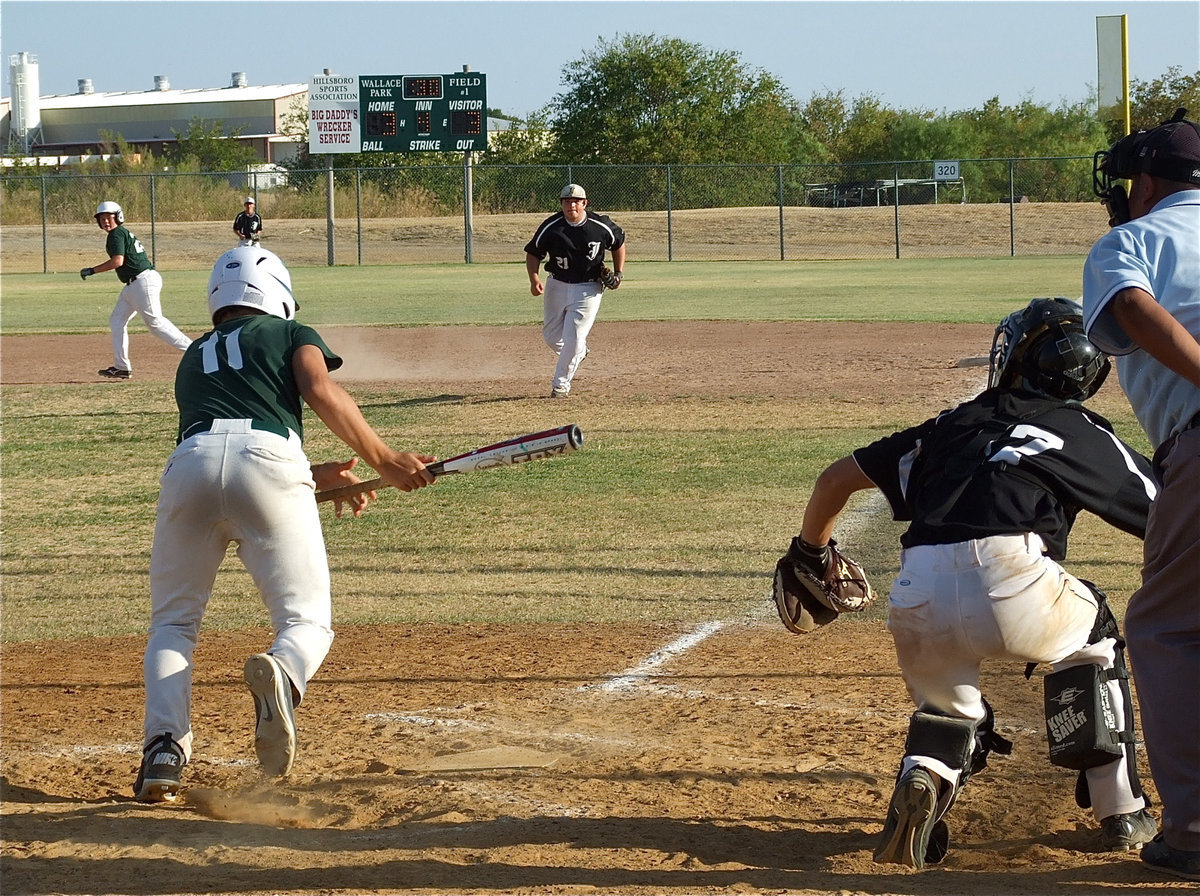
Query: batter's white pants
{"points": [[954, 605], [142, 296], [568, 312], [253, 489]]}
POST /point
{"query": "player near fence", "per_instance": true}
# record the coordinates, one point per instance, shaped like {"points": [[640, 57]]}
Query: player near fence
{"points": [[573, 242], [991, 489], [248, 224], [1141, 293], [141, 293], [240, 475]]}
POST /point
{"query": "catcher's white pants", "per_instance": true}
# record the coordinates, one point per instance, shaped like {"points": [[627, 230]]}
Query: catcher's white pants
{"points": [[142, 296], [954, 605], [253, 489], [568, 312]]}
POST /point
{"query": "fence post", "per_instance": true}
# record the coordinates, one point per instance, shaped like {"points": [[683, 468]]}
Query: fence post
{"points": [[896, 202], [468, 202], [670, 241], [329, 209], [358, 210], [153, 220], [45, 222], [779, 173], [1012, 214]]}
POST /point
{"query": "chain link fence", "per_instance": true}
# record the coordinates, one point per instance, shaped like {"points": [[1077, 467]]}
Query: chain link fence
{"points": [[477, 212]]}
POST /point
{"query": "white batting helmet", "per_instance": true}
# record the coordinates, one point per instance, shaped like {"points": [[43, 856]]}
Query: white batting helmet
{"points": [[253, 278], [107, 207]]}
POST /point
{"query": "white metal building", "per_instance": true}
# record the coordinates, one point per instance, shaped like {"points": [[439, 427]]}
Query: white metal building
{"points": [[74, 124]]}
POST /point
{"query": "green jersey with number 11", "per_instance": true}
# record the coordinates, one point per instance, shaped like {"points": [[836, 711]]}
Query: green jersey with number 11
{"points": [[242, 369]]}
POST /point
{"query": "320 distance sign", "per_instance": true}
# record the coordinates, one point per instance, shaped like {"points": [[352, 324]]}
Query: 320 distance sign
{"points": [[397, 113]]}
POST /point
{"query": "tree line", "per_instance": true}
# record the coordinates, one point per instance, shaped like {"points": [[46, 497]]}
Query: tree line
{"points": [[650, 100]]}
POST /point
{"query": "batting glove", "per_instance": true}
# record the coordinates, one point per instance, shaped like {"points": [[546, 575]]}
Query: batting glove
{"points": [[85, 273]]}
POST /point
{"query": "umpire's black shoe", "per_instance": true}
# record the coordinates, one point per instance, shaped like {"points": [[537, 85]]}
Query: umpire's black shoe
{"points": [[159, 777], [1183, 863], [1129, 830], [911, 818], [115, 373]]}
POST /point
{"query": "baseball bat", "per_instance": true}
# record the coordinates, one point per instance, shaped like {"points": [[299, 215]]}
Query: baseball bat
{"points": [[533, 446]]}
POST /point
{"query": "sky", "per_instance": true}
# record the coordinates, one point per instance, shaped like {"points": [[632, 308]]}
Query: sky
{"points": [[943, 56]]}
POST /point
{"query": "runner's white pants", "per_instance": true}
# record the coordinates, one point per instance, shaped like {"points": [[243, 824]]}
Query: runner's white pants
{"points": [[142, 296], [954, 605], [253, 489], [568, 312]]}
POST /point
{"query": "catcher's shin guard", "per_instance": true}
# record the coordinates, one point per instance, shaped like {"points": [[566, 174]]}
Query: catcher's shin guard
{"points": [[960, 744], [1083, 704]]}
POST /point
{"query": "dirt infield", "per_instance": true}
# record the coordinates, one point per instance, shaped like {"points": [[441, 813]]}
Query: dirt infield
{"points": [[722, 756]]}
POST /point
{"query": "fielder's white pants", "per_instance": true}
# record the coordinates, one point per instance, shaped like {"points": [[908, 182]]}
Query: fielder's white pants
{"points": [[142, 296], [253, 489], [954, 605], [568, 312]]}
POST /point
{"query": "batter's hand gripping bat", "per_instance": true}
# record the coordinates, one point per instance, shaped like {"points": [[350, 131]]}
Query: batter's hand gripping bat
{"points": [[534, 446]]}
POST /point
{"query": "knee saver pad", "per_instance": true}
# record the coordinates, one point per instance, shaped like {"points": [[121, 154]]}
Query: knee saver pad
{"points": [[946, 739], [1080, 725]]}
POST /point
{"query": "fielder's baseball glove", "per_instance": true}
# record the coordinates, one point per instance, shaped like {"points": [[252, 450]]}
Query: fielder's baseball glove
{"points": [[610, 278], [812, 588]]}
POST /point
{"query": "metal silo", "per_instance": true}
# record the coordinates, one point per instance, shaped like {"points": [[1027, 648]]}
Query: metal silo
{"points": [[26, 129]]}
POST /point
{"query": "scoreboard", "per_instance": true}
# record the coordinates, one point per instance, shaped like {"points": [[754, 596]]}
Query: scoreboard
{"points": [[398, 113]]}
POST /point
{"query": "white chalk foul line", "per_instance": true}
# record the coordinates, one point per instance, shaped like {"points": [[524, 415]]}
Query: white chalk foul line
{"points": [[636, 674]]}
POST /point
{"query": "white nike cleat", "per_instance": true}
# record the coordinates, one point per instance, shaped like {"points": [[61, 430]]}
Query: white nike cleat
{"points": [[275, 722]]}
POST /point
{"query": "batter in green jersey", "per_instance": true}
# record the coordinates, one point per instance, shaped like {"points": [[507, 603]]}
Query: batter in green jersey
{"points": [[239, 475]]}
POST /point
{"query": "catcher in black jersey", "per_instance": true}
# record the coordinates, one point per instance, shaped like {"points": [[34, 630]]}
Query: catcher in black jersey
{"points": [[575, 240], [991, 489]]}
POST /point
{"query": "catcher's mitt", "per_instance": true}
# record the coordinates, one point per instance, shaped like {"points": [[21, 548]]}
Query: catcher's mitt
{"points": [[610, 278], [811, 592]]}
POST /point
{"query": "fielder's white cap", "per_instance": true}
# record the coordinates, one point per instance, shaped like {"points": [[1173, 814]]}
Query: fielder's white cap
{"points": [[249, 199], [572, 191]]}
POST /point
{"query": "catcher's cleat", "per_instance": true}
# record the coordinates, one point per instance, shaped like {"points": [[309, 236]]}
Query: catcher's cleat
{"points": [[275, 723], [911, 819], [115, 373], [161, 772], [1129, 830]]}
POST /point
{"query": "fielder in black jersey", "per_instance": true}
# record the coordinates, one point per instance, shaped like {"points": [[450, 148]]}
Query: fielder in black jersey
{"points": [[991, 489], [248, 224], [573, 243]]}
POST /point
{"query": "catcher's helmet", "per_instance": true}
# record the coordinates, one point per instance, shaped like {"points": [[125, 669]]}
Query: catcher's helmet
{"points": [[1043, 349], [254, 278], [107, 207]]}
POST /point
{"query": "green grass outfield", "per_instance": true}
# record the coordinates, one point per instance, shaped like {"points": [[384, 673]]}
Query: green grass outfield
{"points": [[675, 511], [963, 290]]}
